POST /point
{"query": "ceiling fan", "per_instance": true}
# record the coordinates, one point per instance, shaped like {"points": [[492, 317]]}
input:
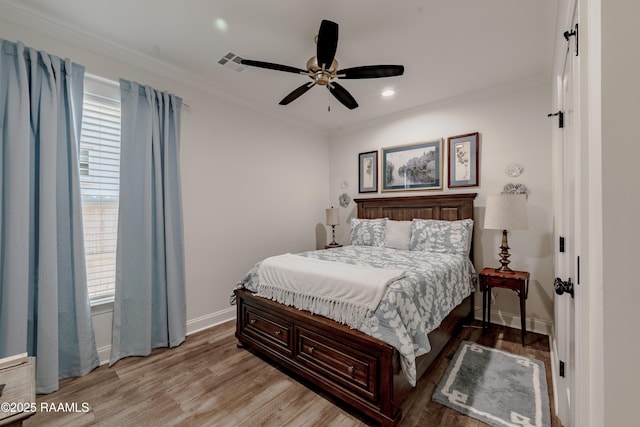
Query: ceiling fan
{"points": [[323, 68]]}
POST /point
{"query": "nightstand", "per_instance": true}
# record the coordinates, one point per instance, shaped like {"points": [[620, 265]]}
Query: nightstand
{"points": [[517, 281], [18, 376]]}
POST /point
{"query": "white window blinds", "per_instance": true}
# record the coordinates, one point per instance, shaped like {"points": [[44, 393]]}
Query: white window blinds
{"points": [[99, 163]]}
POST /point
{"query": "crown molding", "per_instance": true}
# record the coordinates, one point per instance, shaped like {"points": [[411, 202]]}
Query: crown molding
{"points": [[33, 20]]}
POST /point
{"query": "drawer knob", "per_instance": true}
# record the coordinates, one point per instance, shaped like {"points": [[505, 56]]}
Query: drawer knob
{"points": [[278, 332], [253, 321], [311, 349], [351, 369]]}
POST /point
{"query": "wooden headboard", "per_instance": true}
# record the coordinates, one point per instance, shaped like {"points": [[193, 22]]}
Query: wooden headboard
{"points": [[448, 207]]}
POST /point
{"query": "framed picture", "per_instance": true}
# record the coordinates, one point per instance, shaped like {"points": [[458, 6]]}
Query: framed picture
{"points": [[412, 166], [368, 172], [463, 160]]}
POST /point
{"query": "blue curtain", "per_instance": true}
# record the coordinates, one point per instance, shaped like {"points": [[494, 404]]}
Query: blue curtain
{"points": [[44, 303], [149, 308]]}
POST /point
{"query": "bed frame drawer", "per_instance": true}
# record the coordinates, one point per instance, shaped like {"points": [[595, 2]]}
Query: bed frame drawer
{"points": [[347, 367], [270, 330]]}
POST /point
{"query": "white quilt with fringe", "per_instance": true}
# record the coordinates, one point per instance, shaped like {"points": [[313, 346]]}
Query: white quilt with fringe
{"points": [[346, 293]]}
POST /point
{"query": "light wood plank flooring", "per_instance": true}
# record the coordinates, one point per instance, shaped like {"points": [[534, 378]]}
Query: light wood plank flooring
{"points": [[208, 381]]}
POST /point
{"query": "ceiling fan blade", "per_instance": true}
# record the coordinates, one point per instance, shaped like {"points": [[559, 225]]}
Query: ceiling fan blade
{"points": [[271, 66], [342, 95], [297, 93], [327, 43], [371, 72]]}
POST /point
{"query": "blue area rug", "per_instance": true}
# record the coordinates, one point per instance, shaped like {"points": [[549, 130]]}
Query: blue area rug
{"points": [[498, 388]]}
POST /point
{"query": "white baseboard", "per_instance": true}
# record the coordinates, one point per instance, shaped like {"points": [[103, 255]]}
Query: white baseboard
{"points": [[209, 320], [104, 353], [511, 320], [194, 325]]}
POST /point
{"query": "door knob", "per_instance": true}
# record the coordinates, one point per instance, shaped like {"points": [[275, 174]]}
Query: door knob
{"points": [[562, 287]]}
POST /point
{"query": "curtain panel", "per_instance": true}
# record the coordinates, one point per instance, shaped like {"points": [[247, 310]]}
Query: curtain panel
{"points": [[150, 306], [44, 303]]}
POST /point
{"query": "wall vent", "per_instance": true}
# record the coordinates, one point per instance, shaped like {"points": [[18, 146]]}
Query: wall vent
{"points": [[231, 60]]}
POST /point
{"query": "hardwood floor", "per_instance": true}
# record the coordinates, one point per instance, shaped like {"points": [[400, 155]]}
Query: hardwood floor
{"points": [[208, 381]]}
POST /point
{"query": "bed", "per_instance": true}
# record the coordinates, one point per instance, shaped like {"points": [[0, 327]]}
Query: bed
{"points": [[352, 368]]}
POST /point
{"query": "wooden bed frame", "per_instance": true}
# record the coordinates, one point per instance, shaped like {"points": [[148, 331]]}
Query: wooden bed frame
{"points": [[344, 364]]}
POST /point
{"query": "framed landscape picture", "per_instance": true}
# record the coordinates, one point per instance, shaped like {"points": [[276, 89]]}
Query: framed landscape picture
{"points": [[463, 160], [412, 167], [368, 172]]}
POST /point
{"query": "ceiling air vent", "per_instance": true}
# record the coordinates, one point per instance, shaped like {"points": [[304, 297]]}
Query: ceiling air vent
{"points": [[231, 60]]}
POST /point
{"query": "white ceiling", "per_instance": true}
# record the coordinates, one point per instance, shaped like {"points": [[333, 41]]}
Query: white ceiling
{"points": [[448, 47]]}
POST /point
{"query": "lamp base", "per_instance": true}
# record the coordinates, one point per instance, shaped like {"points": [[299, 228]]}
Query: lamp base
{"points": [[333, 237], [504, 255]]}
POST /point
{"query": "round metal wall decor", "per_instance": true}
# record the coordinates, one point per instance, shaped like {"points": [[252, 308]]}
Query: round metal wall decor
{"points": [[344, 200], [514, 170]]}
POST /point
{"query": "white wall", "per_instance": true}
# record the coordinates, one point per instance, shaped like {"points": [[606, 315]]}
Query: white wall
{"points": [[252, 186], [513, 128], [620, 207]]}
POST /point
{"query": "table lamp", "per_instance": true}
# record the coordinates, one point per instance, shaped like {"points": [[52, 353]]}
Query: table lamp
{"points": [[506, 212], [333, 219]]}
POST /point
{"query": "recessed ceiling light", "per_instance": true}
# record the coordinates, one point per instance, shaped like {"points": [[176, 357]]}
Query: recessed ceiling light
{"points": [[221, 25], [388, 92]]}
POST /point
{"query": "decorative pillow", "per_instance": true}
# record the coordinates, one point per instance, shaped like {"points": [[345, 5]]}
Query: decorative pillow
{"points": [[397, 234], [452, 237], [367, 232]]}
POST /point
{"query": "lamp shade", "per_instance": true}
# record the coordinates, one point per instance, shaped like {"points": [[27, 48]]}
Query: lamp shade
{"points": [[333, 217], [506, 212]]}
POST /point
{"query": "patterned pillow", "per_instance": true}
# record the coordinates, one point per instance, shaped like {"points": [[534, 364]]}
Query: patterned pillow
{"points": [[452, 237], [397, 234], [367, 232]]}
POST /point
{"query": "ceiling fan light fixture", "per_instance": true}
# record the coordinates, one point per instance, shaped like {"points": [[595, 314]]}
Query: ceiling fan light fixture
{"points": [[321, 75]]}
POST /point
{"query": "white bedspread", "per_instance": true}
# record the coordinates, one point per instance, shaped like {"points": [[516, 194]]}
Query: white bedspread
{"points": [[346, 293]]}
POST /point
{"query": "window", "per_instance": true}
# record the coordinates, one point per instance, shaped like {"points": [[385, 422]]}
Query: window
{"points": [[99, 164]]}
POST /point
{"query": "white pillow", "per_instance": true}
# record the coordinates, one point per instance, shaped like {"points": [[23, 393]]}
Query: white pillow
{"points": [[397, 234]]}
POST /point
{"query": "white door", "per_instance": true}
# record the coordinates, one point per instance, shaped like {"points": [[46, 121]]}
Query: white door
{"points": [[566, 233]]}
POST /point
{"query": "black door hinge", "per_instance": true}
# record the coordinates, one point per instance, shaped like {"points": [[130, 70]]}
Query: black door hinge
{"points": [[560, 115], [561, 244], [561, 368], [578, 272], [573, 33]]}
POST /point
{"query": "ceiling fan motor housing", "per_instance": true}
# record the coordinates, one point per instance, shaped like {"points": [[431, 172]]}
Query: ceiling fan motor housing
{"points": [[321, 76]]}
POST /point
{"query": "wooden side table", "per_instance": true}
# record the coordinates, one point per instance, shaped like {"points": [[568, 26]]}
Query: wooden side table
{"points": [[18, 375], [517, 281]]}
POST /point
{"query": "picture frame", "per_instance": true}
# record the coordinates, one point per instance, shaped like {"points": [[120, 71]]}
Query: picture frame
{"points": [[463, 160], [368, 172], [412, 166]]}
